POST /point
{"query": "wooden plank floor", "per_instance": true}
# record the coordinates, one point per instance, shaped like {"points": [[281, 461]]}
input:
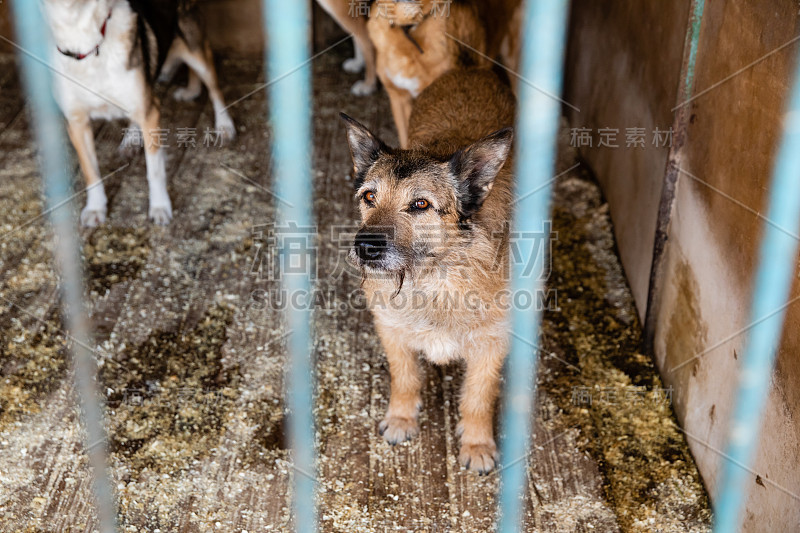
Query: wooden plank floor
{"points": [[192, 359]]}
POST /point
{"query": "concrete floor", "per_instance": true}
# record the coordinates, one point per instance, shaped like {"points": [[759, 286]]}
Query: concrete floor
{"points": [[192, 360]]}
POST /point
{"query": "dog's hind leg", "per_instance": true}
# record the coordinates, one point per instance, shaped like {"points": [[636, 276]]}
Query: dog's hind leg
{"points": [[80, 133], [175, 58], [170, 67], [400, 422], [192, 90], [201, 62], [481, 382]]}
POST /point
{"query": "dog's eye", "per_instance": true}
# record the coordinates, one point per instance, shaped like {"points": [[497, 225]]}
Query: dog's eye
{"points": [[369, 197], [421, 204]]}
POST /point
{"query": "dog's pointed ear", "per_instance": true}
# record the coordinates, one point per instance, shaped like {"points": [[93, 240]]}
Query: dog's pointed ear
{"points": [[364, 148], [476, 166]]}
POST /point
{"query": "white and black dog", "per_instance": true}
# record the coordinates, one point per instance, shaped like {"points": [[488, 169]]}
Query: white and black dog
{"points": [[109, 54]]}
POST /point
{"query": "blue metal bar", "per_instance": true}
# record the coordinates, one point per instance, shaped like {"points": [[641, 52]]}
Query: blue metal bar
{"points": [[287, 29], [693, 36], [777, 260], [537, 128], [48, 127]]}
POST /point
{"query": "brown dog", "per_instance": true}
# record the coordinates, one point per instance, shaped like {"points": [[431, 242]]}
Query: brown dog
{"points": [[433, 248], [416, 42]]}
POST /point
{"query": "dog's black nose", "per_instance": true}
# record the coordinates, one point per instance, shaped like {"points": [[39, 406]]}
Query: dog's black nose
{"points": [[370, 246]]}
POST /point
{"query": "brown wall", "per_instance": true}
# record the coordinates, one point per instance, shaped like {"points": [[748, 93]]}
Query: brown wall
{"points": [[623, 64], [711, 256], [626, 67], [5, 27]]}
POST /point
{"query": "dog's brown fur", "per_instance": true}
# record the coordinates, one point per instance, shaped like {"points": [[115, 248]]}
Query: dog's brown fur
{"points": [[467, 35], [434, 258], [405, 71]]}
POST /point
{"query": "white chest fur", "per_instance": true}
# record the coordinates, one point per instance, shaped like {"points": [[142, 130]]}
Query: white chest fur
{"points": [[442, 322], [101, 84], [409, 84]]}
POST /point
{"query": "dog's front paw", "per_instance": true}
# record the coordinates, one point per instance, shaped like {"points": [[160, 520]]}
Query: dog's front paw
{"points": [[132, 143], [92, 217], [362, 88], [353, 65], [160, 214], [128, 150], [397, 429], [479, 458]]}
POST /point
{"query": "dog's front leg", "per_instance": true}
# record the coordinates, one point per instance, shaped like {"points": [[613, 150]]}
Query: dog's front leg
{"points": [[401, 103], [400, 422], [80, 133], [160, 206], [365, 54], [478, 449]]}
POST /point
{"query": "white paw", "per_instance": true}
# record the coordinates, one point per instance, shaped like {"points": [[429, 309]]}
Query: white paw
{"points": [[132, 142], [353, 65], [160, 215], [128, 150], [185, 94], [362, 88], [224, 125], [396, 429], [92, 217]]}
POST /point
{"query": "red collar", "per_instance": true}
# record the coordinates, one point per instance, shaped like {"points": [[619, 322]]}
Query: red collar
{"points": [[95, 50]]}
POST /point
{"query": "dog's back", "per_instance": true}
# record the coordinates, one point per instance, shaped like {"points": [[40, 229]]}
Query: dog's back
{"points": [[460, 107]]}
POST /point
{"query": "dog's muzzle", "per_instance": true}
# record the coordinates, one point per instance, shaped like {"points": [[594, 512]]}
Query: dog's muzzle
{"points": [[371, 246]]}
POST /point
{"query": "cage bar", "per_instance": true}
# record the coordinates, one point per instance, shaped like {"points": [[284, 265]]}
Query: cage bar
{"points": [[49, 133], [540, 83], [776, 263], [287, 28]]}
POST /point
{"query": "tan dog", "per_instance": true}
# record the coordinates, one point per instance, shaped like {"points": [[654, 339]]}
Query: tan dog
{"points": [[348, 14], [433, 248], [417, 41]]}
